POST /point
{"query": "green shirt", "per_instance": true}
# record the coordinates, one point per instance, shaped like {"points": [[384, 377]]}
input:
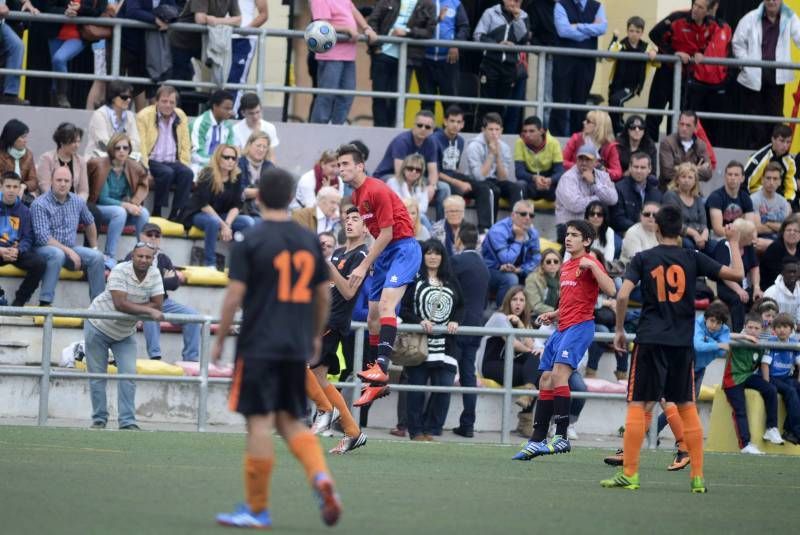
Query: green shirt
{"points": [[740, 365], [542, 161]]}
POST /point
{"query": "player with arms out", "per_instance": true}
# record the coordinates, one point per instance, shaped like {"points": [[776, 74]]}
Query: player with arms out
{"points": [[662, 365], [395, 257], [278, 277], [582, 278]]}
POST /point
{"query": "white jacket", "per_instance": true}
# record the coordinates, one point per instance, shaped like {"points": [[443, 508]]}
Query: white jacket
{"points": [[746, 44], [788, 302]]}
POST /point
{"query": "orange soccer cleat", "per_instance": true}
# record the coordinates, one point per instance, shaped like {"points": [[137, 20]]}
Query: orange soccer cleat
{"points": [[370, 394], [374, 375]]}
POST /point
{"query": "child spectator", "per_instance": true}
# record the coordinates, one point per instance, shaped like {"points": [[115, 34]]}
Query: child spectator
{"points": [[768, 309], [627, 76], [776, 367], [740, 364], [770, 207]]}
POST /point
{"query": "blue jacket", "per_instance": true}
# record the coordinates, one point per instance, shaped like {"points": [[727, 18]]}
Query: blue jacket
{"points": [[706, 343], [454, 27], [16, 226], [499, 247]]}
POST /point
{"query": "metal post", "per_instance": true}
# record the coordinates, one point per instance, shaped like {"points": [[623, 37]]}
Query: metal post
{"points": [[44, 380], [676, 95], [202, 393], [261, 58], [116, 49], [540, 74], [402, 68], [508, 379], [358, 364]]}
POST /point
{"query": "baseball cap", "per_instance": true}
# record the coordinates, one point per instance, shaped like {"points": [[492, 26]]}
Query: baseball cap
{"points": [[150, 227], [589, 150]]}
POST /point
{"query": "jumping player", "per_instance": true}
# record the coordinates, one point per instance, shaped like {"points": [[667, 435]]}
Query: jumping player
{"points": [[278, 276], [582, 278], [395, 257], [662, 365]]}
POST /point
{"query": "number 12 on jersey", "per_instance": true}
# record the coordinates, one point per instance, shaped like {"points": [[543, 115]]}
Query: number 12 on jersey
{"points": [[288, 264], [670, 283]]}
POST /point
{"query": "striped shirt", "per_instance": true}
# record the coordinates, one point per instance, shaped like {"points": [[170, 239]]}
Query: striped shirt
{"points": [[202, 134], [123, 279], [59, 220]]}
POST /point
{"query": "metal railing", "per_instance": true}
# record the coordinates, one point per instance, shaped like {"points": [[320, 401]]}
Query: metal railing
{"points": [[402, 95]]}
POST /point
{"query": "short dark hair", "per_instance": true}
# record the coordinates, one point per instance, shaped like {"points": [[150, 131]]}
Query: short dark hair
{"points": [[670, 221], [735, 163], [219, 96], [533, 120], [351, 210], [9, 175], [468, 234], [753, 316], [635, 21], [453, 110], [425, 113], [491, 118], [117, 88], [641, 155], [690, 113], [774, 166], [362, 148], [781, 130], [783, 320], [66, 133], [249, 101], [585, 228], [276, 188], [789, 260], [352, 150], [717, 310]]}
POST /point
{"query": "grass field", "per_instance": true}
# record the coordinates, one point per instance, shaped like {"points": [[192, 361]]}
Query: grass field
{"points": [[106, 482]]}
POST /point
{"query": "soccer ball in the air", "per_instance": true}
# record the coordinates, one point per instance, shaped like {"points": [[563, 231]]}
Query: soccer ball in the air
{"points": [[320, 36]]}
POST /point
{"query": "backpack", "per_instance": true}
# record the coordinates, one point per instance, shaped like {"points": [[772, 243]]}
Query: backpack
{"points": [[719, 46]]}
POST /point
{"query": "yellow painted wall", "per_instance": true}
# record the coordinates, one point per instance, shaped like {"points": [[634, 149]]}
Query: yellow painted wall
{"points": [[792, 88]]}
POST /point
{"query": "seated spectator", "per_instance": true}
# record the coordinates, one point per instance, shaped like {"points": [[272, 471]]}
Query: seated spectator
{"points": [[581, 185], [784, 245], [252, 163], [17, 239], [633, 190], [543, 286], [731, 201], [211, 129], [15, 155], [433, 300], [769, 207], [778, 366], [113, 118], [490, 163], [739, 295], [324, 215], [12, 49], [597, 130], [537, 160], [440, 70], [68, 139], [776, 152], [216, 202], [446, 230], [324, 173], [421, 232], [56, 215], [118, 188], [250, 110], [134, 287], [785, 291], [683, 146], [606, 243], [642, 235], [511, 250], [187, 45], [167, 151], [633, 139], [684, 193], [410, 183]]}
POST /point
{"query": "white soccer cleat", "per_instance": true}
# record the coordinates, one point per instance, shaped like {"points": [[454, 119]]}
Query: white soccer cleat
{"points": [[571, 433], [773, 435], [324, 420], [751, 449]]}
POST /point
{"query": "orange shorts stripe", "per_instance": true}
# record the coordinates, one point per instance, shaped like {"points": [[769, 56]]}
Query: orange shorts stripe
{"points": [[236, 386], [632, 375]]}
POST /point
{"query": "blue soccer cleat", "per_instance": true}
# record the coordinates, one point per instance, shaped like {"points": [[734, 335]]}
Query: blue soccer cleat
{"points": [[242, 517], [559, 444], [531, 450]]}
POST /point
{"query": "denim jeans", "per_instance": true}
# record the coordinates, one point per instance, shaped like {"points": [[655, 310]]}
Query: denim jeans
{"points": [[124, 351], [165, 175], [91, 264], [442, 192], [428, 419], [11, 47], [191, 332], [117, 217], [211, 225], [789, 389], [334, 75], [61, 52], [500, 282]]}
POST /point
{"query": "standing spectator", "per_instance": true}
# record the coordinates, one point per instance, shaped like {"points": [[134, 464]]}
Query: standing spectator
{"points": [[739, 295], [167, 151], [410, 183], [433, 300], [336, 68], [110, 119], [543, 33], [440, 68], [578, 23], [777, 367], [68, 140], [505, 24], [252, 163], [471, 273], [597, 216], [250, 109], [785, 245], [446, 230], [323, 215], [215, 204], [489, 160], [776, 152], [632, 139], [581, 185], [511, 250], [764, 34], [628, 76], [769, 207], [324, 173], [12, 49], [212, 129], [134, 287], [542, 286], [187, 45], [118, 187], [16, 239], [254, 13], [416, 20], [684, 193], [55, 216], [17, 157], [598, 131], [421, 232], [685, 34], [632, 192], [785, 291], [683, 146], [538, 160], [731, 201], [642, 235]]}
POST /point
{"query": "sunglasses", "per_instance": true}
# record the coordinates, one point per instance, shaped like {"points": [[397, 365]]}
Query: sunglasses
{"points": [[524, 214], [414, 169], [552, 262], [153, 234], [425, 126], [228, 157], [636, 127], [126, 148], [145, 244], [124, 97], [596, 214], [649, 214]]}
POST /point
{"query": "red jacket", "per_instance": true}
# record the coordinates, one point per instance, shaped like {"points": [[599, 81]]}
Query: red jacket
{"points": [[609, 156], [679, 33]]}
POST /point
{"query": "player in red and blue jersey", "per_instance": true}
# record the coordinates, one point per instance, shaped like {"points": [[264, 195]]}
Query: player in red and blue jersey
{"points": [[394, 256], [582, 278]]}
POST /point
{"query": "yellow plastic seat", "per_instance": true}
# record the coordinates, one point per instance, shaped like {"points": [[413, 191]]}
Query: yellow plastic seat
{"points": [[205, 276], [707, 393], [10, 270], [196, 234], [544, 243], [143, 367], [544, 205], [168, 228], [61, 321]]}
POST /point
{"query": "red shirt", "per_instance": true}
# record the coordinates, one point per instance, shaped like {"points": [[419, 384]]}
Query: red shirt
{"points": [[579, 291], [380, 207]]}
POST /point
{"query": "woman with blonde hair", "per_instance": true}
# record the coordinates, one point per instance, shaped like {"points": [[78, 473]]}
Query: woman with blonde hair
{"points": [[324, 173], [684, 193], [598, 131], [411, 183], [216, 202], [420, 232], [739, 296], [252, 162]]}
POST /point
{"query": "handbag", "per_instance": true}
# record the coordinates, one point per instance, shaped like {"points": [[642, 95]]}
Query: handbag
{"points": [[95, 32], [410, 349]]}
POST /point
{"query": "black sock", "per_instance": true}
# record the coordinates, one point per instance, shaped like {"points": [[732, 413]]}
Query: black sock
{"points": [[386, 337], [561, 411], [541, 417]]}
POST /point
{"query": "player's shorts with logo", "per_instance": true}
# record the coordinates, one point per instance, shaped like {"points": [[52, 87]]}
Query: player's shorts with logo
{"points": [[659, 371], [396, 266], [567, 346], [262, 386], [330, 346]]}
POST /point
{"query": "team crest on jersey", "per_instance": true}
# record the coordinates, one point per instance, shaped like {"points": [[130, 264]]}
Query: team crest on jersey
{"points": [[565, 354], [365, 207], [393, 278]]}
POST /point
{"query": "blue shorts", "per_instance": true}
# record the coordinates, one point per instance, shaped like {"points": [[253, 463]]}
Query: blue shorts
{"points": [[396, 266], [568, 346]]}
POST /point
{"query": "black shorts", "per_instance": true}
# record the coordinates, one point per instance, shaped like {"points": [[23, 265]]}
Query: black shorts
{"points": [[265, 386], [661, 372], [330, 346]]}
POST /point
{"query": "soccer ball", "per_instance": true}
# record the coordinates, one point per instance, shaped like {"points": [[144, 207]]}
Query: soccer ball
{"points": [[320, 36]]}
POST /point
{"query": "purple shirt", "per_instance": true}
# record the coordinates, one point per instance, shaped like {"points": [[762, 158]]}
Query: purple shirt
{"points": [[164, 149], [769, 41]]}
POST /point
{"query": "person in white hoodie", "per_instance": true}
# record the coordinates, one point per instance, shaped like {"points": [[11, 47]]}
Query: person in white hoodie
{"points": [[786, 291]]}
